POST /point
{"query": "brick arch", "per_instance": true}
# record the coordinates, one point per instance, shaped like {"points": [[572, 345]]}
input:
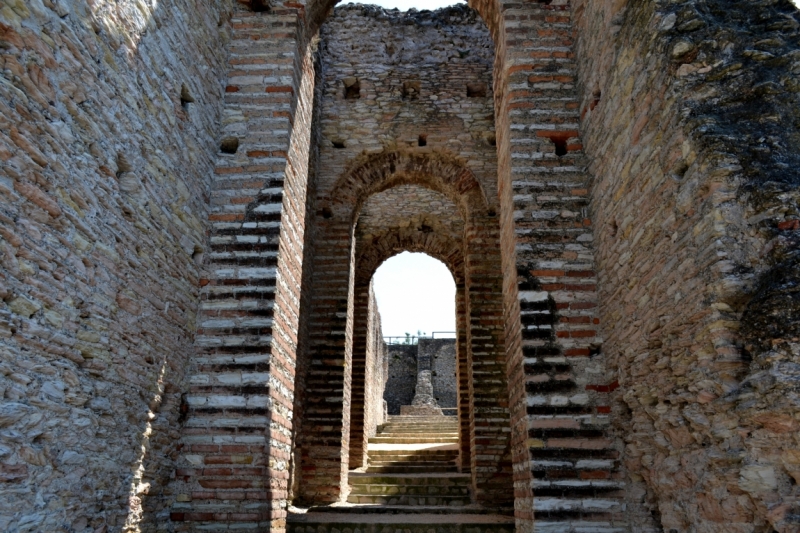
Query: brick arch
{"points": [[444, 248], [437, 171], [370, 254]]}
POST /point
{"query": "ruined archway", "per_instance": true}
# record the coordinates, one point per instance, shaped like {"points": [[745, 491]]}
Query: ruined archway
{"points": [[370, 255], [472, 255]]}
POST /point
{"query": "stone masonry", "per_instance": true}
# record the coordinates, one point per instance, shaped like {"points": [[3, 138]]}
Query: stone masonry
{"points": [[402, 377], [404, 368], [194, 196]]}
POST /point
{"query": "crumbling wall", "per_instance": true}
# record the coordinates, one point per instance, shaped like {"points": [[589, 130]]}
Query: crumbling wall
{"points": [[690, 117], [402, 376], [442, 353], [108, 121]]}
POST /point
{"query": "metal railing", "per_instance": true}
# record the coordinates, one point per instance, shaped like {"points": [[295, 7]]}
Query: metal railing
{"points": [[414, 339]]}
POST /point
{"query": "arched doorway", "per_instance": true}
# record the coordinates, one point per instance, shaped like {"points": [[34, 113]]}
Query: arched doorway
{"points": [[449, 218]]}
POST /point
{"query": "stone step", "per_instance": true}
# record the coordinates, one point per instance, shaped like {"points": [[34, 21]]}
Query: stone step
{"points": [[432, 451], [459, 500], [410, 499], [419, 429], [404, 418], [419, 435], [411, 459], [358, 478], [387, 490], [348, 508], [414, 468], [383, 522], [576, 526], [412, 440]]}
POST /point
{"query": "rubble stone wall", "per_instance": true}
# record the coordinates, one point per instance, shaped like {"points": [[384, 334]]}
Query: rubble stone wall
{"points": [[442, 353], [402, 376], [109, 116], [690, 121]]}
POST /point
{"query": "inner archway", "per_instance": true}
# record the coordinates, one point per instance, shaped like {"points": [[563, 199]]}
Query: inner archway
{"points": [[416, 296]]}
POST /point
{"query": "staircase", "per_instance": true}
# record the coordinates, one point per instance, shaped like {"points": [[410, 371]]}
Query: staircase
{"points": [[412, 485], [577, 485]]}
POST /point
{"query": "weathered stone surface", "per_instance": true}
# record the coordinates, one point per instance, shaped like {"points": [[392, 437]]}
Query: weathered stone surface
{"points": [[103, 174], [694, 200]]}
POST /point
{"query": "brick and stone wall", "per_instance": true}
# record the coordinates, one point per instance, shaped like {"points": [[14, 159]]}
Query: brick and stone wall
{"points": [[615, 190], [431, 73], [109, 124], [368, 409], [690, 123]]}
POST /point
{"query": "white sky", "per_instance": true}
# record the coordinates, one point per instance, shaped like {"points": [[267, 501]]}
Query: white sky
{"points": [[415, 292], [405, 5]]}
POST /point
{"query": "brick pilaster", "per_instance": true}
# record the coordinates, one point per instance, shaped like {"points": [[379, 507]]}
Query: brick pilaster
{"points": [[236, 441]]}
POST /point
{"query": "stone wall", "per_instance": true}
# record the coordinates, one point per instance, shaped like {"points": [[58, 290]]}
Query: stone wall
{"points": [[109, 117], [690, 120], [442, 353], [649, 283], [402, 376]]}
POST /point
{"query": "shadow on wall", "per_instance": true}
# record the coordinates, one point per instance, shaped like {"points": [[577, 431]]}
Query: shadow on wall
{"points": [[107, 147]]}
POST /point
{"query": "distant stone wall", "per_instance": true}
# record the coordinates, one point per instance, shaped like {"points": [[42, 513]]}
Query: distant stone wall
{"points": [[402, 376], [109, 115], [443, 365]]}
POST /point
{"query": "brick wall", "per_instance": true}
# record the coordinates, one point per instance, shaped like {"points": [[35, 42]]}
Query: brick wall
{"points": [[556, 373], [234, 466], [369, 373], [109, 116]]}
